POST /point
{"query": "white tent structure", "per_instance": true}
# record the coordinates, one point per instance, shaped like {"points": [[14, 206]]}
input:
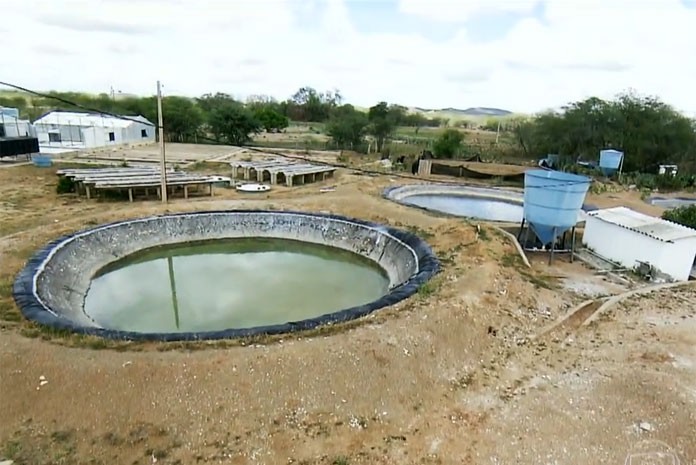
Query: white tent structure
{"points": [[15, 127], [92, 130]]}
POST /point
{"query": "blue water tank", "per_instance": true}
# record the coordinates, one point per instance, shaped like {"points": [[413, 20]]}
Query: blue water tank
{"points": [[552, 201], [609, 161]]}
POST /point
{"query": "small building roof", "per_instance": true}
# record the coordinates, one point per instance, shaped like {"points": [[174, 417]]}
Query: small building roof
{"points": [[9, 119], [72, 118], [656, 228]]}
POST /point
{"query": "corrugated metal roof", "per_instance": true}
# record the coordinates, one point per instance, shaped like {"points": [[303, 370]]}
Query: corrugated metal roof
{"points": [[88, 119], [657, 228]]}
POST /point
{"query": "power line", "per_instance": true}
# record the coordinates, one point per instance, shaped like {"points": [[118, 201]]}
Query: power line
{"points": [[74, 104]]}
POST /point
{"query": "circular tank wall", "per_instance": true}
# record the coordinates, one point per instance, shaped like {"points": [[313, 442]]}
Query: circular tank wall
{"points": [[51, 289], [489, 204]]}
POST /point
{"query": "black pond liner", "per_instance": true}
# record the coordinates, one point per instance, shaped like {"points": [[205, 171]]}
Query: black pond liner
{"points": [[386, 193], [34, 310]]}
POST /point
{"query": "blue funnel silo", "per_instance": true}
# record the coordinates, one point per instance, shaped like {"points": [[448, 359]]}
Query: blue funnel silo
{"points": [[610, 161], [552, 201]]}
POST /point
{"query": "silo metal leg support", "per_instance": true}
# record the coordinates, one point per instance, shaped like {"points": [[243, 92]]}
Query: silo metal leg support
{"points": [[519, 234], [553, 247]]}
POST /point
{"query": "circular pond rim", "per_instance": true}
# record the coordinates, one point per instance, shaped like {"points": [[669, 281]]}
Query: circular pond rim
{"points": [[33, 309], [387, 194]]}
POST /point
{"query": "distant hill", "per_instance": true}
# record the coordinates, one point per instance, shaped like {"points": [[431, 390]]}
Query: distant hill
{"points": [[469, 112]]}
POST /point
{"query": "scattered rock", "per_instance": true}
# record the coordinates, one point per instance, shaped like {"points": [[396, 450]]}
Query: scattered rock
{"points": [[645, 426], [42, 382]]}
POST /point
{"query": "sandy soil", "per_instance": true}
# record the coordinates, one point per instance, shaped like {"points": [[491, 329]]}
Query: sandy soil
{"points": [[453, 375]]}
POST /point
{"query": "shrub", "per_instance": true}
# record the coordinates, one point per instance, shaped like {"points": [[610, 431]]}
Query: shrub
{"points": [[65, 185], [683, 215], [661, 182]]}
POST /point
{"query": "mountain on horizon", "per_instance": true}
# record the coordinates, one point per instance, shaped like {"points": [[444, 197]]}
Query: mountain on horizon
{"points": [[473, 111]]}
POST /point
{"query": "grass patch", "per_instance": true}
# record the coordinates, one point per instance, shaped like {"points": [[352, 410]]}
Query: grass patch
{"points": [[341, 460], [8, 311], [539, 281], [483, 234], [429, 288], [422, 233], [31, 447], [511, 260], [207, 166]]}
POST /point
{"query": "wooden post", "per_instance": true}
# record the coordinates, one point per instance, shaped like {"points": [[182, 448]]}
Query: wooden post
{"points": [[211, 189], [130, 194], [89, 196], [163, 164], [186, 191], [572, 246]]}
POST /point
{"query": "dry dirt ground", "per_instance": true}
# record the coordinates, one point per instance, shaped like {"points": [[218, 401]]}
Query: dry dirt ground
{"points": [[469, 371]]}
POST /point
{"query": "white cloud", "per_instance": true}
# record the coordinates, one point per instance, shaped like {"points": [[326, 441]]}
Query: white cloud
{"points": [[243, 47], [462, 10]]}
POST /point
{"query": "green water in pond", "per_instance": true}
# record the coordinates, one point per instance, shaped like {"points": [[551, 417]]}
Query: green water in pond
{"points": [[239, 283]]}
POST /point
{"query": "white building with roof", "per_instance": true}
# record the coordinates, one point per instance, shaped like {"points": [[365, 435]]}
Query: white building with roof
{"points": [[92, 130], [628, 237]]}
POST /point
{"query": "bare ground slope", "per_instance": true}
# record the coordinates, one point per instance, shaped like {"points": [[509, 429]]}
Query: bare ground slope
{"points": [[452, 375]]}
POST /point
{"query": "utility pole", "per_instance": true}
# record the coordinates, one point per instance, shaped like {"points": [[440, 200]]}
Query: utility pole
{"points": [[163, 165]]}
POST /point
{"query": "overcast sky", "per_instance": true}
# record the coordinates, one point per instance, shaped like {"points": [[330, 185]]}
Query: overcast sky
{"points": [[521, 55]]}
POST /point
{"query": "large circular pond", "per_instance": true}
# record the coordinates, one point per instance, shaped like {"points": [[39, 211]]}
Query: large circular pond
{"points": [[234, 283], [223, 274], [465, 201]]}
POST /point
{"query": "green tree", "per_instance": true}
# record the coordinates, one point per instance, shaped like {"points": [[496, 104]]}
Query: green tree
{"points": [[232, 123], [181, 118], [271, 120], [208, 102], [383, 121], [449, 144], [417, 120], [647, 130], [311, 106], [347, 127]]}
